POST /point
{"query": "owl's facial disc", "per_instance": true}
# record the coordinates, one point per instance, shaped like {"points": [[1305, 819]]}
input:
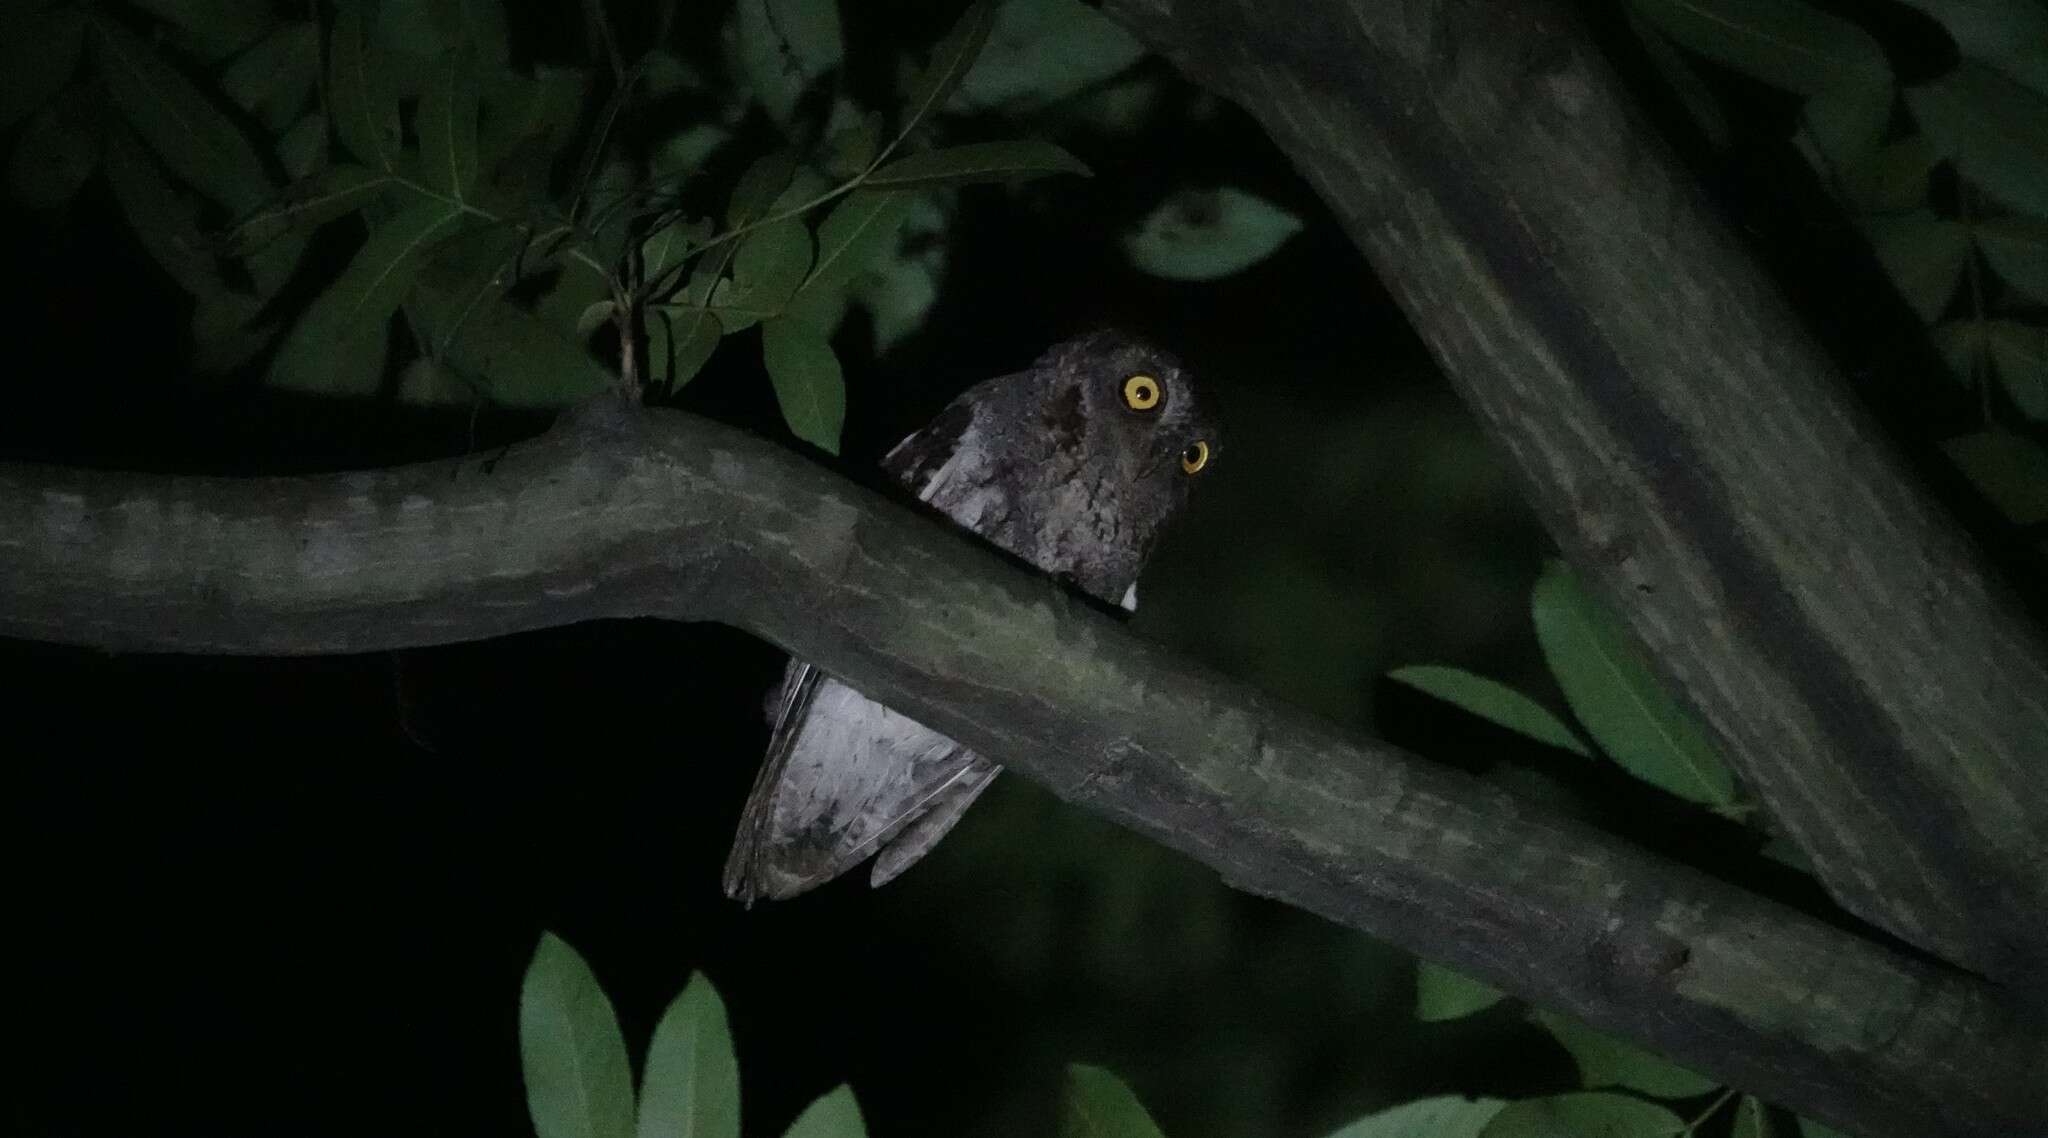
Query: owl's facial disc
{"points": [[1145, 396]]}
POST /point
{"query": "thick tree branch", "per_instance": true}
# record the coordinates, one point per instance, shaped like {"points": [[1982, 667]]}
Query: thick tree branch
{"points": [[1683, 437], [612, 514]]}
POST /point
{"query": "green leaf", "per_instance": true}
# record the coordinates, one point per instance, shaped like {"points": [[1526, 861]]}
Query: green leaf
{"points": [[1752, 1119], [852, 149], [1042, 51], [1990, 30], [1994, 128], [163, 220], [446, 121], [527, 123], [1446, 994], [273, 79], [976, 162], [1924, 255], [1446, 1116], [952, 58], [1808, 1128], [899, 288], [222, 336], [349, 318], [364, 106], [200, 144], [308, 204], [691, 1088], [755, 193], [1786, 43], [512, 357], [54, 156], [665, 249], [1204, 235], [1840, 125], [835, 1115], [212, 29], [807, 381], [574, 1059], [784, 46], [1892, 178], [38, 55], [679, 343], [1605, 1061], [1097, 1104], [769, 266], [1962, 347], [303, 149], [856, 234], [1493, 701], [2020, 353], [1582, 1116], [2017, 250], [1617, 699]]}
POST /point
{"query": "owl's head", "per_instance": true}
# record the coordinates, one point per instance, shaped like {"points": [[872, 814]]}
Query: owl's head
{"points": [[1132, 409]]}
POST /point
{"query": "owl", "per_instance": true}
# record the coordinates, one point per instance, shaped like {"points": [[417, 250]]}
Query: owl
{"points": [[1074, 464]]}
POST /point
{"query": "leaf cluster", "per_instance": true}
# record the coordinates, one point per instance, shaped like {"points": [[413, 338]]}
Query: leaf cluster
{"points": [[1946, 178], [509, 246]]}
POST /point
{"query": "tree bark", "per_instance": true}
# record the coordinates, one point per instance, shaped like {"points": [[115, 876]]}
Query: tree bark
{"points": [[614, 514], [1682, 436]]}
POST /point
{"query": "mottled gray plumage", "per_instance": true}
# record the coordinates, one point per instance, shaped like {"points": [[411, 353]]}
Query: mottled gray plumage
{"points": [[1075, 465]]}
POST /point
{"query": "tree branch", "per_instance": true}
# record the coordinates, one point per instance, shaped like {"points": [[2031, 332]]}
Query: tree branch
{"points": [[1682, 436], [613, 514]]}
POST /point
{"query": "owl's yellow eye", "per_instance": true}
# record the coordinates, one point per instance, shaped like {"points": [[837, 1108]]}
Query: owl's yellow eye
{"points": [[1195, 457], [1141, 393]]}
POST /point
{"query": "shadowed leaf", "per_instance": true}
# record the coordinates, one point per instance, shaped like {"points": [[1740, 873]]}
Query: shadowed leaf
{"points": [[193, 137], [1994, 128], [1605, 1061], [976, 162], [308, 204], [364, 107], [858, 231], [807, 381], [1786, 43], [446, 123], [1097, 1104], [352, 313], [2017, 250], [38, 55], [55, 154], [1493, 701], [1587, 1115], [1447, 1116], [1445, 994]]}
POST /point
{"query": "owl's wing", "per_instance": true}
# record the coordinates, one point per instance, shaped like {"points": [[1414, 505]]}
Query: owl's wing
{"points": [[844, 777]]}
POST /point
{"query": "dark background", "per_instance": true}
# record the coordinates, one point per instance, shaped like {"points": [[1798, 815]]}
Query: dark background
{"points": [[257, 896]]}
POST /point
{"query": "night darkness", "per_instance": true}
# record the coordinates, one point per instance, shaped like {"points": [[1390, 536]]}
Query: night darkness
{"points": [[296, 896]]}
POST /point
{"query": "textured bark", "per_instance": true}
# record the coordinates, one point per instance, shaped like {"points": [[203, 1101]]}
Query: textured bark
{"points": [[614, 515], [1682, 436]]}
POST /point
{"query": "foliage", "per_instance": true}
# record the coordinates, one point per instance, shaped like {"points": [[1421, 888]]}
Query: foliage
{"points": [[578, 1085], [1946, 177], [574, 1060], [528, 231], [531, 233]]}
